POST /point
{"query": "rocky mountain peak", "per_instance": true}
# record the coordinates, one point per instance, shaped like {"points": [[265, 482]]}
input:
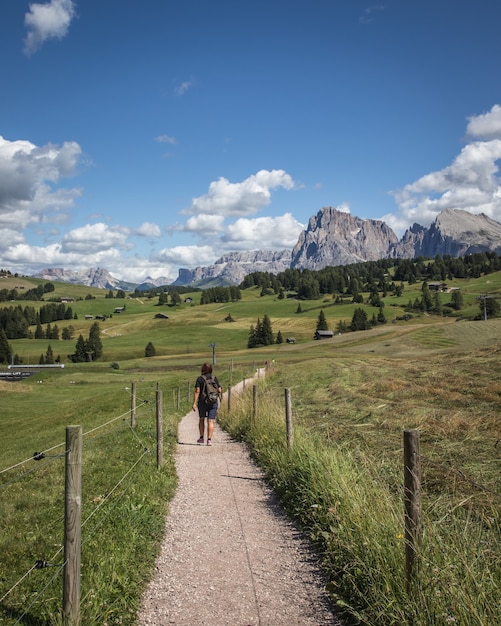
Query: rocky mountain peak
{"points": [[337, 238], [454, 232]]}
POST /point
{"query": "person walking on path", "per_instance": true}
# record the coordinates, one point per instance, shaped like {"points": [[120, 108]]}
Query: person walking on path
{"points": [[206, 411]]}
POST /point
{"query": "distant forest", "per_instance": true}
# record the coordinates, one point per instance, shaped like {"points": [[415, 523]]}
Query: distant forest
{"points": [[386, 276]]}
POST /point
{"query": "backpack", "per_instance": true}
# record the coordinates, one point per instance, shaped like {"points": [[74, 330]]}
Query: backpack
{"points": [[210, 390]]}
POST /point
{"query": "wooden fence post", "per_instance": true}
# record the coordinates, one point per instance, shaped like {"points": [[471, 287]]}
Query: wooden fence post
{"points": [[412, 500], [178, 403], [72, 526], [133, 406], [160, 428], [288, 419], [254, 404]]}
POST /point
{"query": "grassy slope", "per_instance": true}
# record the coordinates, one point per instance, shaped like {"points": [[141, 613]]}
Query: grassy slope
{"points": [[438, 374]]}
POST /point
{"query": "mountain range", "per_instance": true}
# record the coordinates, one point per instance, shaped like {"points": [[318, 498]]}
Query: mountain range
{"points": [[331, 238]]}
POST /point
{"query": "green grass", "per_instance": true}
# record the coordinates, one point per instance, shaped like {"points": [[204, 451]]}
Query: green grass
{"points": [[124, 494], [352, 395], [343, 479]]}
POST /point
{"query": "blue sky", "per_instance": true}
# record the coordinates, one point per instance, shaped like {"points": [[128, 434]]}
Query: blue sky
{"points": [[147, 135]]}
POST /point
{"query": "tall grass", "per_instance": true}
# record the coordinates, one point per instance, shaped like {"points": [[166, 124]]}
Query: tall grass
{"points": [[345, 501]]}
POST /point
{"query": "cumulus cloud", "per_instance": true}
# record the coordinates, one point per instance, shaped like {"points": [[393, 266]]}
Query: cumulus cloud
{"points": [[201, 225], [241, 199], [147, 229], [92, 239], [29, 258], [188, 256], [344, 207], [486, 126], [471, 182], [47, 21], [273, 233], [9, 238], [26, 175]]}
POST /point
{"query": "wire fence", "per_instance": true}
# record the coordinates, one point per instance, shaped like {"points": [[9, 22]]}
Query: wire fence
{"points": [[115, 457]]}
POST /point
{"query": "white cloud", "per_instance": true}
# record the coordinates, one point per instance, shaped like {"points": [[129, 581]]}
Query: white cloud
{"points": [[181, 89], [262, 233], [10, 238], [486, 126], [93, 239], [47, 21], [204, 224], [166, 139], [471, 182], [188, 256], [240, 199], [344, 207], [29, 258], [148, 230], [25, 171]]}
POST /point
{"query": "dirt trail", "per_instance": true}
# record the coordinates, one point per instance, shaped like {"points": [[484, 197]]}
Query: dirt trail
{"points": [[230, 556]]}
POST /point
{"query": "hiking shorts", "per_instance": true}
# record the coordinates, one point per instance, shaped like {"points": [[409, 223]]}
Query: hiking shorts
{"points": [[208, 411]]}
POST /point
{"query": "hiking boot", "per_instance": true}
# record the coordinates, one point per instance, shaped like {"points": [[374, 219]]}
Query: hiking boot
{"points": [[209, 442], [200, 440]]}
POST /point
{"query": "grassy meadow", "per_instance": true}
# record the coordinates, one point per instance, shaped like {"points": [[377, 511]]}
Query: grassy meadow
{"points": [[353, 395]]}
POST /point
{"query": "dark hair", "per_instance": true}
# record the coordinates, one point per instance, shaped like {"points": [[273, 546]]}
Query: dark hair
{"points": [[206, 368]]}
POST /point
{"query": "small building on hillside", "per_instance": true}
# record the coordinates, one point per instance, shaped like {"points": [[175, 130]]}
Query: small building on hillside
{"points": [[324, 334], [291, 340], [119, 309], [161, 316], [437, 286]]}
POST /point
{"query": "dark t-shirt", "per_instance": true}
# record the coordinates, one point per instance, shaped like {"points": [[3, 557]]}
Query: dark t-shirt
{"points": [[200, 385]]}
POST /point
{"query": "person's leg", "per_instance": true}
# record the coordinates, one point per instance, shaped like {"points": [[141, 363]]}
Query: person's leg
{"points": [[201, 426], [211, 420], [210, 428]]}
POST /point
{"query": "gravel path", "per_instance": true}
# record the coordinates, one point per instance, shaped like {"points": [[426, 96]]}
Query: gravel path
{"points": [[230, 556]]}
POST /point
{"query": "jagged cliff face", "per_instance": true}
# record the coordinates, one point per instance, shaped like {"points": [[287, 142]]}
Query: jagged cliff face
{"points": [[454, 232], [336, 238], [233, 267], [92, 277]]}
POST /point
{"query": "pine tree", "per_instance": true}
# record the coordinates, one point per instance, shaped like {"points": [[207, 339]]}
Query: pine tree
{"points": [[457, 300], [5, 349], [266, 331], [252, 341], [80, 355], [94, 344], [321, 321], [359, 320], [149, 350], [49, 355]]}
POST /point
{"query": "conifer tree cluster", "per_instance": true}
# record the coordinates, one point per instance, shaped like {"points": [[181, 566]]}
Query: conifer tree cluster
{"points": [[261, 334], [90, 349]]}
